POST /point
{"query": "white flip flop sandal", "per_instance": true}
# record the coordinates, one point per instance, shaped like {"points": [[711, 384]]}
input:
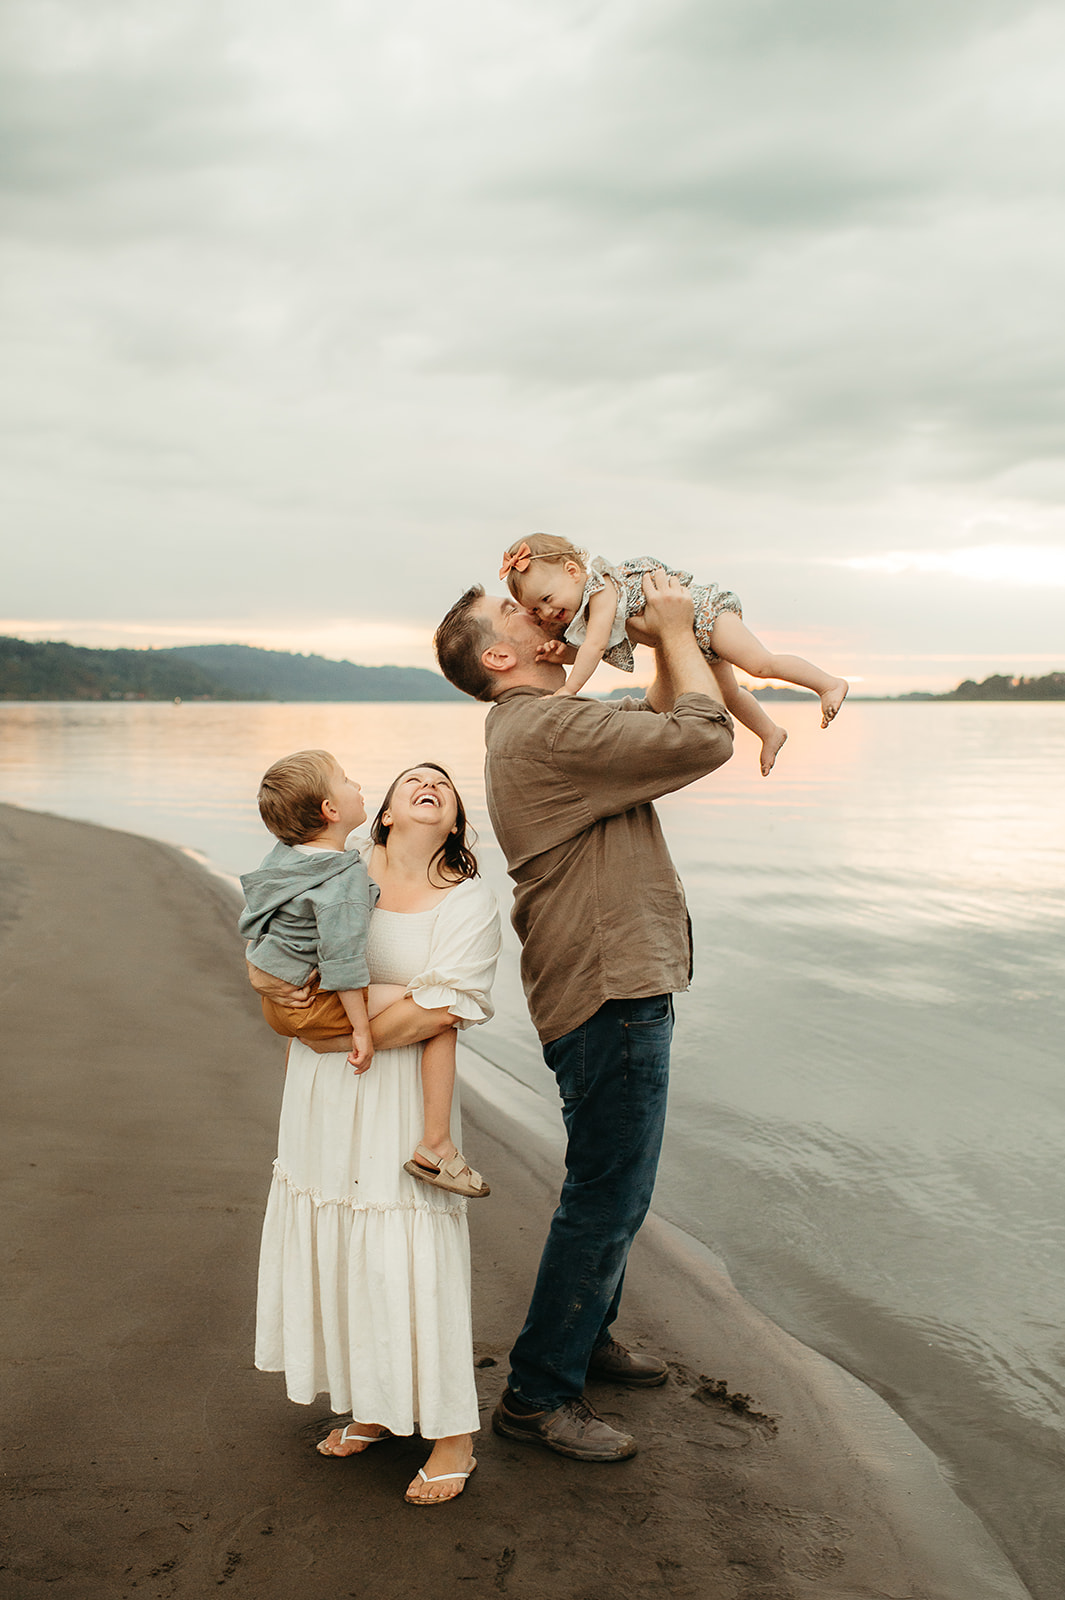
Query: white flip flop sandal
{"points": [[348, 1437], [420, 1500]]}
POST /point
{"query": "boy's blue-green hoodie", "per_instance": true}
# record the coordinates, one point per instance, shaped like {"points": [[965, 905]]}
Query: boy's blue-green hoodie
{"points": [[307, 911]]}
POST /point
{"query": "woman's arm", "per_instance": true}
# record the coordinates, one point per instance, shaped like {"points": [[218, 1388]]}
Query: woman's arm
{"points": [[403, 1022], [458, 975], [406, 1022], [602, 609]]}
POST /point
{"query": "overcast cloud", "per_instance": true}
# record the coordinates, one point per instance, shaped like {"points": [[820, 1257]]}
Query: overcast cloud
{"points": [[309, 309]]}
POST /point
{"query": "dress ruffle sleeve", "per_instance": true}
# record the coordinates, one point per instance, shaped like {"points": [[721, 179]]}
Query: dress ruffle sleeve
{"points": [[462, 956]]}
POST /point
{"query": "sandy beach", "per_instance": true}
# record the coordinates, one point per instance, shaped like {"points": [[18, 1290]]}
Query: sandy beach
{"points": [[144, 1455]]}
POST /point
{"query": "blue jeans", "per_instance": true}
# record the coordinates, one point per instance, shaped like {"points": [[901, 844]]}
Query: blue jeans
{"points": [[613, 1075]]}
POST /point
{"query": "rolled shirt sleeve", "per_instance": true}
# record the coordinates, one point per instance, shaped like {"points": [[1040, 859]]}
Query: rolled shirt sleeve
{"points": [[462, 956], [598, 906], [618, 761], [343, 925]]}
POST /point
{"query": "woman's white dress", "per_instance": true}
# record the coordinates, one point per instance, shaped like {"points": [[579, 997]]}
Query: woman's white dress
{"points": [[364, 1273]]}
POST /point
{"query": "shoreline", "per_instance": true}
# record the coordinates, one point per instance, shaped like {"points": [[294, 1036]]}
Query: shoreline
{"points": [[813, 1403], [142, 1112]]}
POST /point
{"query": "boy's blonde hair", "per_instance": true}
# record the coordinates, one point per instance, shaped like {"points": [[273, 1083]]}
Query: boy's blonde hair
{"points": [[538, 547], [292, 792]]}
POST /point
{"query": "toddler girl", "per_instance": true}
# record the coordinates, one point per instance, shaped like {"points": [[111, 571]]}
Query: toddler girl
{"points": [[589, 606]]}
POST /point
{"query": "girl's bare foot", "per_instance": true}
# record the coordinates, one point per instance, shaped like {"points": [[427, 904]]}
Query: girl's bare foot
{"points": [[832, 699], [451, 1463], [352, 1440], [772, 745]]}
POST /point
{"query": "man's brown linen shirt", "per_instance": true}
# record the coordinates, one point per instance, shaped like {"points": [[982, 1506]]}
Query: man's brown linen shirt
{"points": [[598, 905]]}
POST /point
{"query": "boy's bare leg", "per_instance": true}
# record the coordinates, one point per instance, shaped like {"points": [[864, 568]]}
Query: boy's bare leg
{"points": [[746, 709], [735, 642], [438, 1090]]}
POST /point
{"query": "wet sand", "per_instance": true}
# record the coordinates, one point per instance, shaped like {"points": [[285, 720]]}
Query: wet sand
{"points": [[143, 1454]]}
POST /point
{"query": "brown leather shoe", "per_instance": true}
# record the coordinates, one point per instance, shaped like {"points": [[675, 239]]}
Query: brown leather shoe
{"points": [[617, 1365], [575, 1429]]}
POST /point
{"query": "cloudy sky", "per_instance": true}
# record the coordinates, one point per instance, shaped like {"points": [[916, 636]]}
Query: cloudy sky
{"points": [[309, 309]]}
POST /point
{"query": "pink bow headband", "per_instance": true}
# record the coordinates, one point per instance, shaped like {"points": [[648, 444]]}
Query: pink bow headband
{"points": [[519, 561]]}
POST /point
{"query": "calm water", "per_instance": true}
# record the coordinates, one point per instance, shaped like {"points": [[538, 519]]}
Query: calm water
{"points": [[868, 1108]]}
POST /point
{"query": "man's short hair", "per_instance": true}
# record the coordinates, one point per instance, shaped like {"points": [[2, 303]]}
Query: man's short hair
{"points": [[460, 642], [292, 792]]}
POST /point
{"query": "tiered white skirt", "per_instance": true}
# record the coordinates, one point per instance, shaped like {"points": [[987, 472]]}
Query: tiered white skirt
{"points": [[364, 1273]]}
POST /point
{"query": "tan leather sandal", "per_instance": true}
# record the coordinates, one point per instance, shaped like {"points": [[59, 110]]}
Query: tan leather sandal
{"points": [[455, 1174]]}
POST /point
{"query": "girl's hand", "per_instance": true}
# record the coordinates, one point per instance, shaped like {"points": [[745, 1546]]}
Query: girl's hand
{"points": [[551, 650], [561, 692]]}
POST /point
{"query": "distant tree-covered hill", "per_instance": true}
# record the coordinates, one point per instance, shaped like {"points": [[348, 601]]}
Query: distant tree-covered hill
{"points": [[56, 671], [246, 673], [999, 687]]}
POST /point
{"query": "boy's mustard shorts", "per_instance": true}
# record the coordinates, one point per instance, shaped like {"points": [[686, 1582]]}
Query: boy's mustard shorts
{"points": [[324, 1018]]}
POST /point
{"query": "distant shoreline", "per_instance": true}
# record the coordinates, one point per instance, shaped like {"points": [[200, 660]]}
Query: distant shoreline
{"points": [[952, 697], [53, 671], [997, 689]]}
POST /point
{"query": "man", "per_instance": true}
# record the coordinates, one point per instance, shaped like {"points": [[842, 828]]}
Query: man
{"points": [[606, 942]]}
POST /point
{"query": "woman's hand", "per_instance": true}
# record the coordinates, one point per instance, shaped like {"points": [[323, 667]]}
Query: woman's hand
{"points": [[272, 988], [331, 1047]]}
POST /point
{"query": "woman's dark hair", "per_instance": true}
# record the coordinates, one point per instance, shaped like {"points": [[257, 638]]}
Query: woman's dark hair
{"points": [[458, 861]]}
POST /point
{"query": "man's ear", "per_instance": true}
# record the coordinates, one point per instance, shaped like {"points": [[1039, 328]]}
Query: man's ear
{"points": [[499, 657]]}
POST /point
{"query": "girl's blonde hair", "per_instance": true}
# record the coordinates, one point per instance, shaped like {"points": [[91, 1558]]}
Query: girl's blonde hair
{"points": [[538, 547]]}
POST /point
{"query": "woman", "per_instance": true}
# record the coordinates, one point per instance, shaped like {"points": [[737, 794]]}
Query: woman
{"points": [[364, 1275]]}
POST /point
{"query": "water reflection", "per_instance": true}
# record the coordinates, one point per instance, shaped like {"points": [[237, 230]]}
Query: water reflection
{"points": [[189, 773]]}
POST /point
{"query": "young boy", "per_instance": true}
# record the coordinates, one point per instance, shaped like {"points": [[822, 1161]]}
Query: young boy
{"points": [[308, 906], [309, 903]]}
